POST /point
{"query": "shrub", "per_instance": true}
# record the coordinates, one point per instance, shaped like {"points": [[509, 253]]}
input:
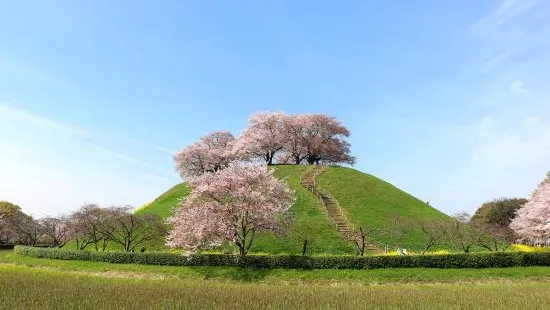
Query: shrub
{"points": [[5, 246], [474, 260]]}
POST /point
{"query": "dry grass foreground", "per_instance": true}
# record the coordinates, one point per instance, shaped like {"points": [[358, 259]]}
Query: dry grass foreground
{"points": [[31, 288], [30, 283]]}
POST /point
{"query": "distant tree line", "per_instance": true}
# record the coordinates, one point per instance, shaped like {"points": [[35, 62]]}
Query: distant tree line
{"points": [[91, 226]]}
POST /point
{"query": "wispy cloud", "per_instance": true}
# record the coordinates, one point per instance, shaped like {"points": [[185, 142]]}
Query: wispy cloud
{"points": [[17, 69], [495, 60], [517, 89], [507, 11], [126, 158], [88, 137], [19, 115]]}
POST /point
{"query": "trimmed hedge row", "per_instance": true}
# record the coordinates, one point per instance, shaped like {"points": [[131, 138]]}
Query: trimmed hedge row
{"points": [[5, 246], [473, 260]]}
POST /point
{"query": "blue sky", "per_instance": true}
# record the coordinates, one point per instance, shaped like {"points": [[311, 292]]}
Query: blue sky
{"points": [[448, 100]]}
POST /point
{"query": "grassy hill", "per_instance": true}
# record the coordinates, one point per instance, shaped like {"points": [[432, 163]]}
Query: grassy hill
{"points": [[367, 200], [373, 203]]}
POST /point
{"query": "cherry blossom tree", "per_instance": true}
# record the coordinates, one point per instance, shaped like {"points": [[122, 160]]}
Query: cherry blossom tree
{"points": [[211, 153], [265, 135], [532, 221], [131, 230], [317, 138], [294, 150], [57, 229], [87, 225], [324, 139], [231, 205]]}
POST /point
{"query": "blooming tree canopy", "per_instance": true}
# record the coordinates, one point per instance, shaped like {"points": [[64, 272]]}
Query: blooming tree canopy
{"points": [[274, 137], [230, 205], [211, 153], [532, 221], [265, 135], [318, 138]]}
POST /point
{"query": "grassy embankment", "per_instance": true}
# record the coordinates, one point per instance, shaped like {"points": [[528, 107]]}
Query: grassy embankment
{"points": [[367, 200]]}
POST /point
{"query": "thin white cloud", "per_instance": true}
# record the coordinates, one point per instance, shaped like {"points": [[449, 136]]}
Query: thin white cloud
{"points": [[13, 68], [495, 61], [11, 113], [126, 158], [517, 89], [507, 11]]}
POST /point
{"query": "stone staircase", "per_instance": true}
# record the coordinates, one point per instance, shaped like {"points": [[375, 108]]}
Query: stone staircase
{"points": [[334, 211]]}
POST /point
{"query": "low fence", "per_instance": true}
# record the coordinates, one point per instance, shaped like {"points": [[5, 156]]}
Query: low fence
{"points": [[473, 260]]}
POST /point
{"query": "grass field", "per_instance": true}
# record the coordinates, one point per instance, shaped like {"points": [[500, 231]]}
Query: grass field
{"points": [[35, 288], [31, 283], [367, 200]]}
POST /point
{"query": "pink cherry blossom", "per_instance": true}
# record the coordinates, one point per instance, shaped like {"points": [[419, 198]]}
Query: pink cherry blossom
{"points": [[211, 153], [532, 221], [232, 205]]}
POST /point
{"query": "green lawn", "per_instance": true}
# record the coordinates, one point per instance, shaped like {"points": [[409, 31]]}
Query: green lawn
{"points": [[34, 288], [373, 203]]}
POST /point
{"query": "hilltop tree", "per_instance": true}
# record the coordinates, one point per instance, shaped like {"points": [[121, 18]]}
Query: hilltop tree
{"points": [[532, 221], [231, 205], [294, 150], [265, 135], [211, 153], [317, 138]]}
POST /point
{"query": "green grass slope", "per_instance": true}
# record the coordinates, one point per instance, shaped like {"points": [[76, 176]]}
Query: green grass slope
{"points": [[163, 205], [367, 200], [373, 203]]}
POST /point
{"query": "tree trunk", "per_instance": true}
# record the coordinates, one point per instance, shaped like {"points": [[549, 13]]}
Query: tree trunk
{"points": [[304, 247], [269, 157]]}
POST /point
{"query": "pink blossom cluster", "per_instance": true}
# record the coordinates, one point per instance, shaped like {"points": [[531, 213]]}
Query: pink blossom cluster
{"points": [[271, 137], [230, 205], [532, 221], [211, 153]]}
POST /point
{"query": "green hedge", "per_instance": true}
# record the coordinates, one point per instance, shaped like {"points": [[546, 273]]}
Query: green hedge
{"points": [[473, 260], [4, 246]]}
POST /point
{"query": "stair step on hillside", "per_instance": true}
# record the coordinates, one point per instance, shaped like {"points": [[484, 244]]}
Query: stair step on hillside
{"points": [[341, 223]]}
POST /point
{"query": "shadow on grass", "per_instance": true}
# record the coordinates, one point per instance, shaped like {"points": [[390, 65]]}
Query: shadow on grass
{"points": [[237, 274]]}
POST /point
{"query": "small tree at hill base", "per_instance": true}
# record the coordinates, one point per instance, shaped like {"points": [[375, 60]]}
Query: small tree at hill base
{"points": [[232, 204], [87, 225], [494, 218], [361, 240], [434, 232], [131, 230], [57, 229], [532, 221]]}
